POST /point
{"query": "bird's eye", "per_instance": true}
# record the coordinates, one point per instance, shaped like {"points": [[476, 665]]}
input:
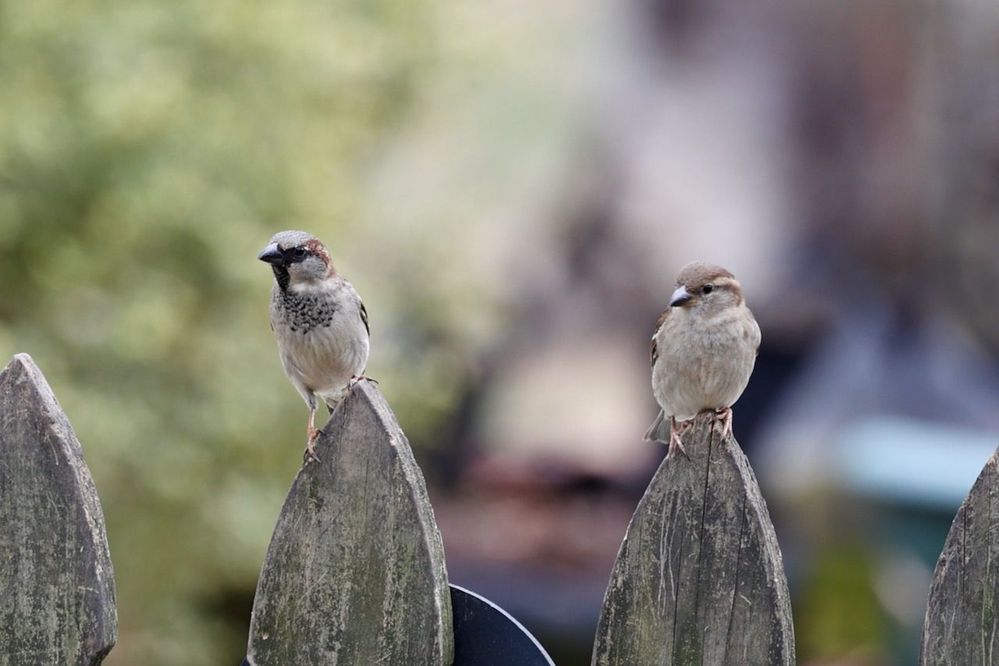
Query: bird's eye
{"points": [[707, 289], [298, 253]]}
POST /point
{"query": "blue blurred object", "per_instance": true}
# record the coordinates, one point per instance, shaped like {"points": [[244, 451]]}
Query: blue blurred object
{"points": [[912, 475], [910, 462]]}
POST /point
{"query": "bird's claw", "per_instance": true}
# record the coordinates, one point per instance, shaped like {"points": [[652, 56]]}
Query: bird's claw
{"points": [[675, 443], [310, 455], [725, 413], [356, 379], [310, 446]]}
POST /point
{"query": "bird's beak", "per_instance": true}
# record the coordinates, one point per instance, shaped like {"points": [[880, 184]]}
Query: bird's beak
{"points": [[271, 254], [680, 297]]}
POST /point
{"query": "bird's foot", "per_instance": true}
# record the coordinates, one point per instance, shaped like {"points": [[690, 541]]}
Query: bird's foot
{"points": [[675, 444], [310, 446], [356, 379], [725, 414]]}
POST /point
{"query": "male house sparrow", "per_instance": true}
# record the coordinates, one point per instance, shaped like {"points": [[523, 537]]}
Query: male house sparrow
{"points": [[703, 349], [319, 322]]}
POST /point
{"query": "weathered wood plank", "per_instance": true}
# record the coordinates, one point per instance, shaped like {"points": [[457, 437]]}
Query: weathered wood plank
{"points": [[699, 578], [57, 602], [961, 627], [355, 570]]}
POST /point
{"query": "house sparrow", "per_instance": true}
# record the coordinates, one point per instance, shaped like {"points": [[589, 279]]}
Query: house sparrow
{"points": [[703, 350], [319, 322]]}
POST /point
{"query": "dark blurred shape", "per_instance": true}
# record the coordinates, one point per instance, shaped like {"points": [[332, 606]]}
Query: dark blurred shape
{"points": [[486, 635], [675, 23], [228, 610]]}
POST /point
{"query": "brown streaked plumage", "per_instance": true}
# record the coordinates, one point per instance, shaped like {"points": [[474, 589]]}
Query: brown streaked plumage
{"points": [[703, 349], [319, 322]]}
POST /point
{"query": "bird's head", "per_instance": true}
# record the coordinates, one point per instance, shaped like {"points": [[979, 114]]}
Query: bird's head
{"points": [[706, 289], [297, 257]]}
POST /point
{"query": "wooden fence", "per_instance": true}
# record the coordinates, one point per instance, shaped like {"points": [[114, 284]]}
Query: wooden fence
{"points": [[355, 572], [962, 614], [358, 535], [56, 582], [699, 578]]}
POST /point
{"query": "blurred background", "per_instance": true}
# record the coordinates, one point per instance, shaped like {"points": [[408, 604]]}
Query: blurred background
{"points": [[512, 187]]}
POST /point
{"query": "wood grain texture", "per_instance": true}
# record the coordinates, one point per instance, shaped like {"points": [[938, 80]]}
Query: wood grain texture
{"points": [[56, 580], [355, 570], [962, 616], [699, 578]]}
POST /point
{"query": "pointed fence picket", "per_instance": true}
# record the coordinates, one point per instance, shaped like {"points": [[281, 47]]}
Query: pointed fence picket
{"points": [[355, 572], [699, 578], [961, 627], [56, 581]]}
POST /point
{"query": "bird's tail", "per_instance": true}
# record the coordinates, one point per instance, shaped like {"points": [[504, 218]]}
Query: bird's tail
{"points": [[653, 434]]}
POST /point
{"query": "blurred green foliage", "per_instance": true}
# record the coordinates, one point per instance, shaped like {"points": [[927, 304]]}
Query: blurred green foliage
{"points": [[837, 613], [147, 152]]}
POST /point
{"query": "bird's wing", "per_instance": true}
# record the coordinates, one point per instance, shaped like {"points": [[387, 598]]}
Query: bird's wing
{"points": [[364, 318], [654, 351], [753, 333]]}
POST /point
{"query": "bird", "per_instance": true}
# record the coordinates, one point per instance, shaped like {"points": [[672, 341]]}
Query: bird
{"points": [[319, 322], [703, 350]]}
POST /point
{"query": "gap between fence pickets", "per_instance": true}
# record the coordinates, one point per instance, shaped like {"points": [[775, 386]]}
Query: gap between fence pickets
{"points": [[59, 566]]}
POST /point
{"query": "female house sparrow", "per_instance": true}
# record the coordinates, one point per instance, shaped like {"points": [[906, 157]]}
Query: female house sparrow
{"points": [[319, 322], [703, 349]]}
